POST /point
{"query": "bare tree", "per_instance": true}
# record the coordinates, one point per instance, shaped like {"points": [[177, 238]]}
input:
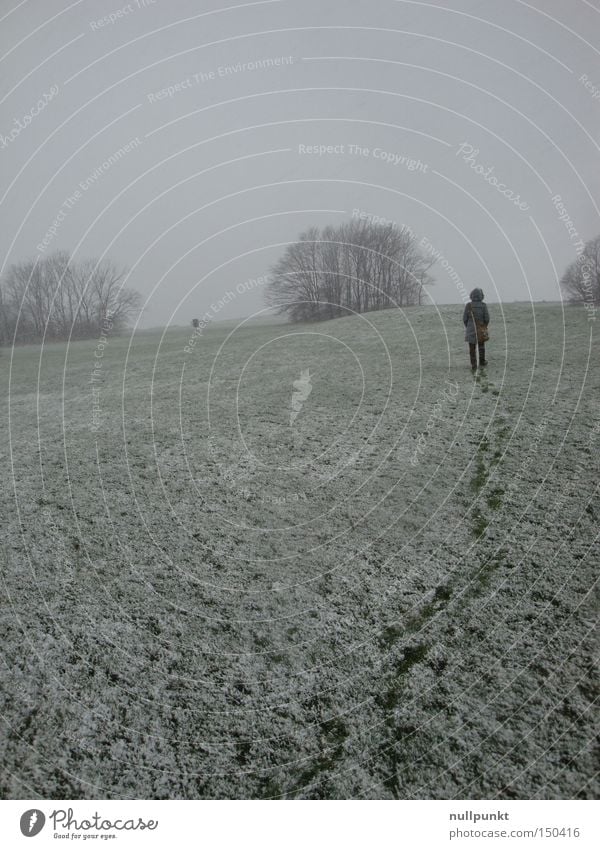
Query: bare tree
{"points": [[581, 280], [57, 298], [6, 320], [356, 267]]}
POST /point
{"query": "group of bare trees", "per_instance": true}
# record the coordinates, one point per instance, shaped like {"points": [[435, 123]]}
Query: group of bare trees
{"points": [[356, 267], [581, 280], [56, 298]]}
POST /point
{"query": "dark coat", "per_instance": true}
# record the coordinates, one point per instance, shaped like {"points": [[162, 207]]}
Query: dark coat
{"points": [[480, 311]]}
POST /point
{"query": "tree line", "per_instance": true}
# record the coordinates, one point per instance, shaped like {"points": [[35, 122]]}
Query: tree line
{"points": [[356, 267], [361, 266], [56, 298]]}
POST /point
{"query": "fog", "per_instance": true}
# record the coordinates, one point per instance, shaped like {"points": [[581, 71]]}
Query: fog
{"points": [[192, 141]]}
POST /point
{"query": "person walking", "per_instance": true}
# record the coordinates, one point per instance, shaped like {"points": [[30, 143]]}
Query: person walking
{"points": [[476, 318]]}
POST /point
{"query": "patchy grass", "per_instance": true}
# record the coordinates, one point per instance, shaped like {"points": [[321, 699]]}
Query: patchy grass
{"points": [[201, 601]]}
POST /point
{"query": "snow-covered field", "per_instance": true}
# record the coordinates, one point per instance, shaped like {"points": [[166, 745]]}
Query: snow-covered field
{"points": [[387, 594]]}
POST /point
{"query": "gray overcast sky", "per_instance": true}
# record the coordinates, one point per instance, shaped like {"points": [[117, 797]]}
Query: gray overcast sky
{"points": [[216, 179]]}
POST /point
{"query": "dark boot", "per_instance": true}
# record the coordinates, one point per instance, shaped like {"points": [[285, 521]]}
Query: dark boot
{"points": [[482, 360]]}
